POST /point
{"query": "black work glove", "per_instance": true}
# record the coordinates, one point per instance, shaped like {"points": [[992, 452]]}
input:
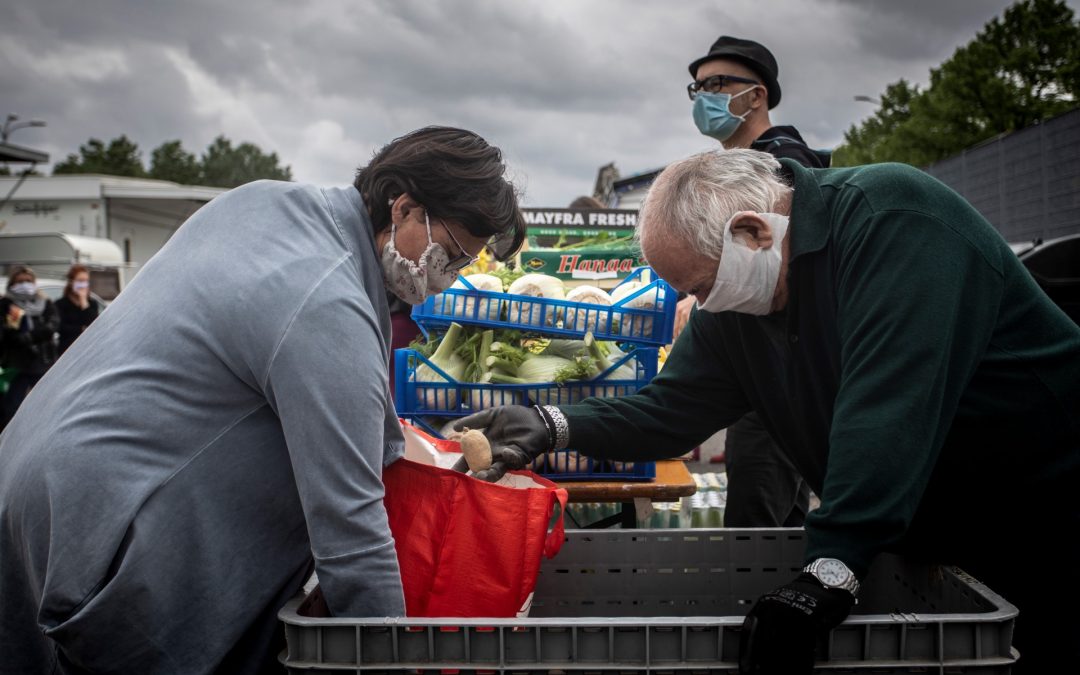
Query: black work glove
{"points": [[781, 631], [518, 435]]}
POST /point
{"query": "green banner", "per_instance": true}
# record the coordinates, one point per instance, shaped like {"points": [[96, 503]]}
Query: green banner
{"points": [[582, 264], [581, 244]]}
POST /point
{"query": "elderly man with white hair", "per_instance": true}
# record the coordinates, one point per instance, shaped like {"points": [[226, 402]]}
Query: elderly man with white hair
{"points": [[899, 353]]}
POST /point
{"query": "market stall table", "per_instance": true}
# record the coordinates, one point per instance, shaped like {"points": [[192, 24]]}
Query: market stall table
{"points": [[673, 481]]}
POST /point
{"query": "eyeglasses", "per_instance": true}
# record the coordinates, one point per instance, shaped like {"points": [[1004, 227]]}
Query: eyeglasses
{"points": [[461, 260], [714, 83]]}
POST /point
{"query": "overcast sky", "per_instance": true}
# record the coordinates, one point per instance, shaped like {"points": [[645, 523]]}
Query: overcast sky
{"points": [[561, 86]]}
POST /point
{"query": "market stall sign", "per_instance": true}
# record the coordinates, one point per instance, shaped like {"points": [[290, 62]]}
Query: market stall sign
{"points": [[581, 244], [583, 263]]}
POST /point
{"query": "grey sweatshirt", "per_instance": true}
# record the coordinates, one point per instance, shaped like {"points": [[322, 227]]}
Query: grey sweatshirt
{"points": [[225, 419]]}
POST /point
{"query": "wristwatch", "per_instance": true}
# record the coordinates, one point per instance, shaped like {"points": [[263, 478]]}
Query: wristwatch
{"points": [[833, 573]]}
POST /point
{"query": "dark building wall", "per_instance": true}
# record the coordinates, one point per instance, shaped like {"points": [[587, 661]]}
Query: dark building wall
{"points": [[1026, 183]]}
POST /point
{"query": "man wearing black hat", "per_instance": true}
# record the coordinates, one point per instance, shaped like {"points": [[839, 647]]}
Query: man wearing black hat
{"points": [[733, 90]]}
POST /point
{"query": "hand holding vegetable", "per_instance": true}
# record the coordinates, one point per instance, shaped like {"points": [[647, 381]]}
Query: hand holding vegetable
{"points": [[476, 450], [517, 434]]}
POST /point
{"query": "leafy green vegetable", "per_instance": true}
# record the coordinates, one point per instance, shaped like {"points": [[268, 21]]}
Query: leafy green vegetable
{"points": [[507, 276]]}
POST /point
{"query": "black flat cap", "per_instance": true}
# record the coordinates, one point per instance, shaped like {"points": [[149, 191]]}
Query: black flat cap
{"points": [[750, 53]]}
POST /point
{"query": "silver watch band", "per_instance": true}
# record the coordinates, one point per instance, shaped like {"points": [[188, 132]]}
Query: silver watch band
{"points": [[852, 583], [562, 429]]}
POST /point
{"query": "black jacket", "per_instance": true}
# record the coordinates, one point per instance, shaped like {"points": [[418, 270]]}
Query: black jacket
{"points": [[74, 320], [29, 351], [786, 142]]}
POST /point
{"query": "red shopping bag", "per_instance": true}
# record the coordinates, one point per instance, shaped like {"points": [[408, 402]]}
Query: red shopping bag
{"points": [[467, 548]]}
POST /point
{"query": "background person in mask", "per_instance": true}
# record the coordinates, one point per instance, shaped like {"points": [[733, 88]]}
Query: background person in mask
{"points": [[76, 308], [901, 355], [222, 428], [735, 85], [28, 344]]}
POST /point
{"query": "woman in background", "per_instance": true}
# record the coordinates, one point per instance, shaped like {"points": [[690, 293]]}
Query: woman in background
{"points": [[29, 336], [77, 309]]}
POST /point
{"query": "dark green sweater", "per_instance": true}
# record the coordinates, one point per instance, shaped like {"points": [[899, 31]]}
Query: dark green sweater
{"points": [[916, 371]]}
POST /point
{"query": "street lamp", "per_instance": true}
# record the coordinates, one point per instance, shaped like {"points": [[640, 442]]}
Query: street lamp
{"points": [[12, 123], [868, 99]]}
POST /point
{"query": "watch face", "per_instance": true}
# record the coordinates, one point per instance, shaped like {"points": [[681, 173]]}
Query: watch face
{"points": [[833, 572]]}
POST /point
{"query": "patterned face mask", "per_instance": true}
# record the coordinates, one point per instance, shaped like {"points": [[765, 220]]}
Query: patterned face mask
{"points": [[413, 282]]}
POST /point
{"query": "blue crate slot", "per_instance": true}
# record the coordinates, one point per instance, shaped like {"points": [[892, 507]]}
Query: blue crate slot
{"points": [[569, 465], [449, 398], [556, 465], [562, 318]]}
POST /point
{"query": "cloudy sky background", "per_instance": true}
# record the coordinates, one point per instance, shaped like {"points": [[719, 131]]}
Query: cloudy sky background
{"points": [[561, 86]]}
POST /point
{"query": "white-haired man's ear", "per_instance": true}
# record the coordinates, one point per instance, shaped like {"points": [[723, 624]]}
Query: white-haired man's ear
{"points": [[752, 230]]}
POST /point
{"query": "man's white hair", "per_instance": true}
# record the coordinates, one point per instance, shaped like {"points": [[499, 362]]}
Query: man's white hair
{"points": [[692, 198]]}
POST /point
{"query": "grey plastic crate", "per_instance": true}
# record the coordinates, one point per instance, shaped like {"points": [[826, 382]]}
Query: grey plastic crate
{"points": [[670, 601]]}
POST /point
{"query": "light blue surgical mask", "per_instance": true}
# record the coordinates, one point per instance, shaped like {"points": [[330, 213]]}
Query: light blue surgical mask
{"points": [[713, 116]]}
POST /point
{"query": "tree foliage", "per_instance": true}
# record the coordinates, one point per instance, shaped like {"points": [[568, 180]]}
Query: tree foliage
{"points": [[226, 166], [120, 157], [221, 165], [170, 161], [1021, 68], [877, 136]]}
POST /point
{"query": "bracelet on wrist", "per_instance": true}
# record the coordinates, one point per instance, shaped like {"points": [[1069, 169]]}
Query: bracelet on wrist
{"points": [[548, 424], [560, 425]]}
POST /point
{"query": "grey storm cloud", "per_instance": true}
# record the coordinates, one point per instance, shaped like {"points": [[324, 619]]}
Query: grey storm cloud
{"points": [[561, 86], [917, 29]]}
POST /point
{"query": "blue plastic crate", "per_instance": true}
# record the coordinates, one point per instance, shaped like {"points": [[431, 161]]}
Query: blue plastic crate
{"points": [[416, 400], [450, 398], [569, 465], [556, 465], [562, 318]]}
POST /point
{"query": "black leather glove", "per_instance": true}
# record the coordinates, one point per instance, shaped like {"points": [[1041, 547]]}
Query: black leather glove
{"points": [[781, 631], [518, 435]]}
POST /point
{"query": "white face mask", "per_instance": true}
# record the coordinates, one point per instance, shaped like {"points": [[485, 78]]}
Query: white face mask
{"points": [[26, 288], [746, 279], [414, 282], [80, 285]]}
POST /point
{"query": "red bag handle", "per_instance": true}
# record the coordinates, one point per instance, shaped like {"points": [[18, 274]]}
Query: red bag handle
{"points": [[557, 535], [441, 444]]}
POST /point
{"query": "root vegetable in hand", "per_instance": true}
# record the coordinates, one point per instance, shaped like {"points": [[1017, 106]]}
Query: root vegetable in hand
{"points": [[477, 450]]}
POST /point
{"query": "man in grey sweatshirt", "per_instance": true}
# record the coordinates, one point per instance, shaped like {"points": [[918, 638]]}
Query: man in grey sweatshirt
{"points": [[221, 429]]}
